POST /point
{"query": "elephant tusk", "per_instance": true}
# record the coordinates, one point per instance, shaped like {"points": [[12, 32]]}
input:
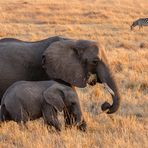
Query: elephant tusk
{"points": [[108, 89]]}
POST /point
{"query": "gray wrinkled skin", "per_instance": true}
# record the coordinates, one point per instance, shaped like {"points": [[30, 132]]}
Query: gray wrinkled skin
{"points": [[21, 60], [67, 60], [28, 100]]}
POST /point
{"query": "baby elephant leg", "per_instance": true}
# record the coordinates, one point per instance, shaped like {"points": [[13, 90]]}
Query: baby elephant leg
{"points": [[17, 114], [50, 116]]}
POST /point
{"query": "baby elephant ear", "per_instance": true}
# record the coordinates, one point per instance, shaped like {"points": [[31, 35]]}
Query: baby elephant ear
{"points": [[53, 97]]}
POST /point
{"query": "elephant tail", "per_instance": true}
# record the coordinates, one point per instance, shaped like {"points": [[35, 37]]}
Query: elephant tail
{"points": [[0, 114], [4, 114]]}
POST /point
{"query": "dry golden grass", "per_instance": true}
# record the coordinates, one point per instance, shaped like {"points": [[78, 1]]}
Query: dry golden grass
{"points": [[103, 20]]}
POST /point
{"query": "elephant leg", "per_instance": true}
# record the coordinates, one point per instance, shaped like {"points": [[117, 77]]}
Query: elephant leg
{"points": [[17, 114], [20, 115], [50, 116]]}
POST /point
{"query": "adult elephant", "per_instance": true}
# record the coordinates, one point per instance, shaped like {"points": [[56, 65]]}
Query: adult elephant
{"points": [[72, 62]]}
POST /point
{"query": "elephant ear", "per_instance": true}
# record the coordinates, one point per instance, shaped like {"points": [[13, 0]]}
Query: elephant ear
{"points": [[61, 61], [53, 97]]}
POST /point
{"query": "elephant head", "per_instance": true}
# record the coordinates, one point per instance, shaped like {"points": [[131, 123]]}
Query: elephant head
{"points": [[63, 98], [79, 62]]}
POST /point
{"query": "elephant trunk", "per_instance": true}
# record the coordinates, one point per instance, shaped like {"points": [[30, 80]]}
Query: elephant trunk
{"points": [[78, 116], [80, 122], [104, 76]]}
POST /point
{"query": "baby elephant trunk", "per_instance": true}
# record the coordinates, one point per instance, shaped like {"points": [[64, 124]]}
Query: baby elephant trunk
{"points": [[79, 120]]}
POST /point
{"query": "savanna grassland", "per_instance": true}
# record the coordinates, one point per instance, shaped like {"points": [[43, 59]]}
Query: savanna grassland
{"points": [[108, 22]]}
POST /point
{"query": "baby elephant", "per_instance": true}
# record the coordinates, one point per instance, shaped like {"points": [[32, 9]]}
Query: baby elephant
{"points": [[26, 100]]}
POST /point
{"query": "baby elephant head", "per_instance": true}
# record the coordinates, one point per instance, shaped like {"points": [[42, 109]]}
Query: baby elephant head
{"points": [[63, 98]]}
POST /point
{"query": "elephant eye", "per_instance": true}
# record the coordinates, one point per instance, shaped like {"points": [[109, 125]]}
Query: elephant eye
{"points": [[43, 60], [95, 61], [73, 103]]}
